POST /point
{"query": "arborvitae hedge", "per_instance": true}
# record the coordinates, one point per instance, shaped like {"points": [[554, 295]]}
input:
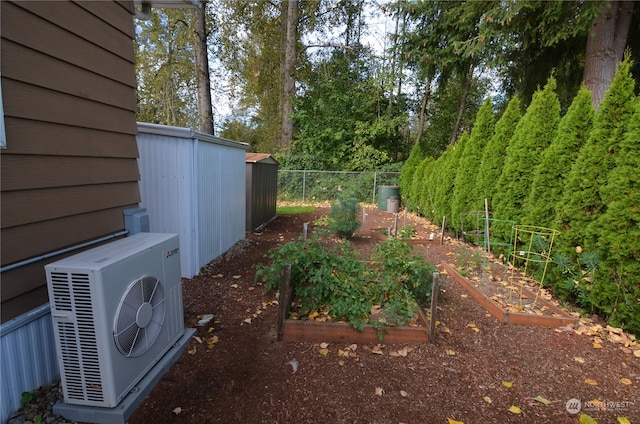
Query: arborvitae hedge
{"points": [[549, 176], [495, 152], [581, 203], [444, 175], [616, 290], [533, 135], [415, 193], [464, 194]]}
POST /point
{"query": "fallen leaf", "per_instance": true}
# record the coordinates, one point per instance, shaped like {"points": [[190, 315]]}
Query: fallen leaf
{"points": [[452, 421], [198, 339], [403, 393], [585, 419], [324, 352], [487, 399], [471, 325], [507, 384], [377, 350], [324, 345], [235, 277], [579, 359], [625, 381], [597, 345], [515, 410], [247, 320], [379, 391], [624, 420], [591, 382], [353, 347], [542, 400], [177, 410], [192, 351], [636, 353], [450, 352], [234, 286]]}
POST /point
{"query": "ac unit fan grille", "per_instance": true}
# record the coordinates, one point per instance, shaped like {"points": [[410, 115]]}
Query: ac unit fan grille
{"points": [[140, 316]]}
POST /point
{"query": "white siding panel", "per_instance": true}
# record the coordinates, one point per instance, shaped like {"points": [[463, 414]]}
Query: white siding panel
{"points": [[193, 185], [27, 357]]}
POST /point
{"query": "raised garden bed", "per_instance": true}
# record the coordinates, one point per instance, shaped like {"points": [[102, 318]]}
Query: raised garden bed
{"points": [[555, 318], [290, 330]]}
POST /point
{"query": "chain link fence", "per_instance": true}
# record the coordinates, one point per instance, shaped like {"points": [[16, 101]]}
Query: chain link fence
{"points": [[321, 186]]}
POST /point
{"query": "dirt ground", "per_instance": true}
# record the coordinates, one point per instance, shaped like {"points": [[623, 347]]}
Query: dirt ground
{"points": [[477, 371]]}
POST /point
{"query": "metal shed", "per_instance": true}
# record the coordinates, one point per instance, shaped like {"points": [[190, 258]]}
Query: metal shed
{"points": [[262, 189], [193, 184]]}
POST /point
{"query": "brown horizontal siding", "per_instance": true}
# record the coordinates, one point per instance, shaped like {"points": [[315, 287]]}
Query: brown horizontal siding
{"points": [[25, 28], [26, 172], [28, 206], [35, 103], [48, 138], [19, 305], [70, 166], [111, 12], [80, 22], [35, 68], [34, 240]]}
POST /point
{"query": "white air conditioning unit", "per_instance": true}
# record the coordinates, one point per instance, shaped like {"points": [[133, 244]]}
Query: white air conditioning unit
{"points": [[116, 310]]}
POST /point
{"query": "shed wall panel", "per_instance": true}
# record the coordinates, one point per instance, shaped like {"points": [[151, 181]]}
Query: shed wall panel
{"points": [[166, 191], [194, 188], [27, 360]]}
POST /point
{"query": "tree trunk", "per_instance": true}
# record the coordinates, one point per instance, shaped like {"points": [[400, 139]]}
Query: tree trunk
{"points": [[423, 108], [288, 73], [203, 82], [605, 47], [455, 126]]}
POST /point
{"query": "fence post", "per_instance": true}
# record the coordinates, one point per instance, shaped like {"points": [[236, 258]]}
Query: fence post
{"points": [[304, 183], [375, 176]]}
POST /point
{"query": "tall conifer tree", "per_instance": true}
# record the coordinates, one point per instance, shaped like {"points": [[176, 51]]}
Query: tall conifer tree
{"points": [[533, 135], [549, 177]]}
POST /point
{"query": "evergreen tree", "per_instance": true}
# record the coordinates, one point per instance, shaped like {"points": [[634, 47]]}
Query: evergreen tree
{"points": [[415, 195], [549, 176], [495, 152], [533, 135], [617, 232], [581, 201], [445, 177], [464, 199]]}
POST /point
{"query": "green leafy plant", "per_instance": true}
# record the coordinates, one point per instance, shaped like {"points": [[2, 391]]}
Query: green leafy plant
{"points": [[579, 277], [334, 278], [343, 217]]}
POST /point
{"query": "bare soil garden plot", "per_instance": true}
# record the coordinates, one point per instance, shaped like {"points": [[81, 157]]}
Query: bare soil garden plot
{"points": [[237, 372]]}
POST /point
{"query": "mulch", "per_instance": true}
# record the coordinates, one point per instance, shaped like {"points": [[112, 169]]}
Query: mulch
{"points": [[478, 370]]}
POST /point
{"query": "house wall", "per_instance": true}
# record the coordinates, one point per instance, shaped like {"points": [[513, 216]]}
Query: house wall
{"points": [[193, 185], [69, 167]]}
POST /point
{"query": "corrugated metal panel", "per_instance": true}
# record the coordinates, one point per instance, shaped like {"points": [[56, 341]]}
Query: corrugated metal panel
{"points": [[27, 357], [193, 185]]}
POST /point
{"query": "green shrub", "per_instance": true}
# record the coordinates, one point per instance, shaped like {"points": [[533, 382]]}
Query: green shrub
{"points": [[533, 135], [343, 217], [336, 280]]}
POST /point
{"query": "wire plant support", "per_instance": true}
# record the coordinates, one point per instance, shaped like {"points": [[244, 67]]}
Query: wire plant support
{"points": [[531, 254]]}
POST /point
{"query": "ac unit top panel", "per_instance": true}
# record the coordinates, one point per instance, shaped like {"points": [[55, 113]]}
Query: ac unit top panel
{"points": [[103, 256]]}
